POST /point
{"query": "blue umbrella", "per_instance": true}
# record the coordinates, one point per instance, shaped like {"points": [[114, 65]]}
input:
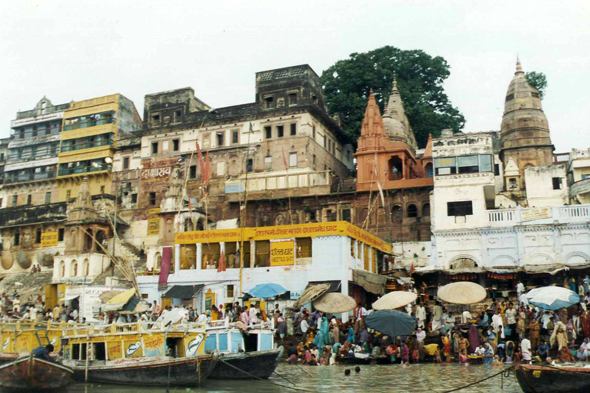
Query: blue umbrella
{"points": [[265, 291], [552, 298], [391, 322]]}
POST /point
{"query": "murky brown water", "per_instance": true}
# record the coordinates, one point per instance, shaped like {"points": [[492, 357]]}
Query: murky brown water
{"points": [[415, 378]]}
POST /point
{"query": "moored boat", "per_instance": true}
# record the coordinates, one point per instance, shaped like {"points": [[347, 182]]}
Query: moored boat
{"points": [[246, 354], [553, 379], [149, 353], [28, 374]]}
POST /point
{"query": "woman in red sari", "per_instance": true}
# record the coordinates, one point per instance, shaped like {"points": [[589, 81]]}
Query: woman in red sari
{"points": [[585, 320]]}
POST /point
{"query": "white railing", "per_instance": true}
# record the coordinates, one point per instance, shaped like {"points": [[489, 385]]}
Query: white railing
{"points": [[574, 211], [501, 215]]}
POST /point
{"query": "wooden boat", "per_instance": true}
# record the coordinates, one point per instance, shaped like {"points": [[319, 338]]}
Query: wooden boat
{"points": [[242, 355], [553, 379], [148, 353], [32, 374], [18, 339]]}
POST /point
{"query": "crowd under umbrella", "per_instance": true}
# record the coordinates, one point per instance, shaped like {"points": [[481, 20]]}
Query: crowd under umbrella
{"points": [[462, 292], [267, 291], [334, 303], [394, 300], [392, 323], [552, 298]]}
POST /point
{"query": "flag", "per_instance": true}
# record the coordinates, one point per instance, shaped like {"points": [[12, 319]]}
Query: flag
{"points": [[165, 268], [207, 175], [221, 267], [201, 162], [412, 269]]}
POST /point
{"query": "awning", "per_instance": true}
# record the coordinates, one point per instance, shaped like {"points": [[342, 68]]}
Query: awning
{"points": [[371, 282], [119, 301], [182, 291], [108, 295], [70, 297]]}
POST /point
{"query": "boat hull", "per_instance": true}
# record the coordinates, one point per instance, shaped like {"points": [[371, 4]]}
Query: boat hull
{"points": [[190, 372], [31, 374], [260, 364], [543, 379]]}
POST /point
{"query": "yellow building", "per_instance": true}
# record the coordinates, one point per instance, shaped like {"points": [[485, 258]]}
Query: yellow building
{"points": [[90, 132]]}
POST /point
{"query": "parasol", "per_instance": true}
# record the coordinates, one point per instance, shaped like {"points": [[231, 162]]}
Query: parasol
{"points": [[394, 300], [391, 323], [265, 291], [335, 303], [552, 298], [311, 293], [119, 301], [463, 292]]}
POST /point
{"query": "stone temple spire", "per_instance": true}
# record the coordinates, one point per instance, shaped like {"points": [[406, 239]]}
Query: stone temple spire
{"points": [[372, 122], [397, 126]]}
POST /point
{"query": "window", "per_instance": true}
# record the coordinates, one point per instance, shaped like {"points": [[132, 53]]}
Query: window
{"points": [[292, 99], [235, 137], [102, 189], [48, 197], [313, 131], [16, 239], [220, 138], [68, 194], [313, 162], [268, 132], [445, 166], [304, 247], [467, 164], [125, 162], [38, 236], [249, 165], [459, 208], [177, 116], [346, 215], [293, 129], [426, 210], [14, 200], [1, 156], [193, 172], [154, 147], [230, 291], [429, 170], [325, 142], [268, 163], [412, 211], [175, 144], [497, 169], [268, 102], [30, 199], [557, 183], [280, 131], [584, 177], [292, 159], [156, 119], [134, 198], [1, 200], [152, 199], [60, 234]]}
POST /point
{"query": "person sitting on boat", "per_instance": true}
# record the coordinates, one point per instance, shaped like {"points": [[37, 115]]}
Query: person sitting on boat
{"points": [[564, 355], [584, 351], [543, 349], [43, 352]]}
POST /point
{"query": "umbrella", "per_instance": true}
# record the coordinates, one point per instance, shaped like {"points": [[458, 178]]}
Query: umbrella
{"points": [[311, 293], [335, 303], [265, 291], [391, 322], [552, 298], [393, 300], [463, 292], [119, 301]]}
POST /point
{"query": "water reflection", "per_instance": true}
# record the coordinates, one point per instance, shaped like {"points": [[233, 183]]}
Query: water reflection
{"points": [[415, 378]]}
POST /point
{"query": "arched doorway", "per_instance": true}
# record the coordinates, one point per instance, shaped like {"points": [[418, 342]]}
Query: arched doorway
{"points": [[88, 240], [412, 211], [101, 239], [429, 169], [396, 168]]}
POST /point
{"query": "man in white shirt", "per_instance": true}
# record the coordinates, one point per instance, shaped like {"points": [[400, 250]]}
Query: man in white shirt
{"points": [[498, 324], [525, 346], [520, 289], [304, 326], [479, 351], [466, 317], [420, 335], [510, 315], [421, 315], [359, 314], [437, 312]]}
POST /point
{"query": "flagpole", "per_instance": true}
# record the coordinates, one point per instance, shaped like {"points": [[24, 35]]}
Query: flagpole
{"points": [[243, 210]]}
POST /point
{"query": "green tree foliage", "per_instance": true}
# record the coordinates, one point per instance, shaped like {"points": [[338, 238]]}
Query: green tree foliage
{"points": [[538, 80], [420, 82]]}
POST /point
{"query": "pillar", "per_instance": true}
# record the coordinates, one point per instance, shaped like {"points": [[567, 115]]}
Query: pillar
{"points": [[176, 258], [344, 290], [199, 257]]}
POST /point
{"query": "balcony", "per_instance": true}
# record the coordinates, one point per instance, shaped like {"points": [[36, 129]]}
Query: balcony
{"points": [[89, 145], [541, 215], [88, 123], [83, 169]]}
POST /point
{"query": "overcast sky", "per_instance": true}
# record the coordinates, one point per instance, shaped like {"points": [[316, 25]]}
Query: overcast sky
{"points": [[74, 50]]}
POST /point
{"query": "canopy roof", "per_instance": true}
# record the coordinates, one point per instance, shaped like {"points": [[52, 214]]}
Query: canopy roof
{"points": [[182, 291]]}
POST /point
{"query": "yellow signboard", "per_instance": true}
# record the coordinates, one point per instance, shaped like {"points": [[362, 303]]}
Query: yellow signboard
{"points": [[49, 239], [338, 228], [153, 222], [538, 213], [114, 350], [281, 253]]}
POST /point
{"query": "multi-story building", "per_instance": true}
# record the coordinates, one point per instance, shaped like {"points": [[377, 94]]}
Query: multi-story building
{"points": [[3, 156], [579, 175], [90, 131]]}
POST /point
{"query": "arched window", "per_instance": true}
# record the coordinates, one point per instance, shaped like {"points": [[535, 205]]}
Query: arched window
{"points": [[200, 225], [74, 268], [62, 268], [101, 238], [426, 210], [188, 225], [429, 169], [158, 261], [396, 213], [86, 267], [88, 243], [412, 211]]}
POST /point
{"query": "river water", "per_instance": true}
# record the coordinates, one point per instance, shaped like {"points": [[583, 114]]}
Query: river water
{"points": [[415, 378]]}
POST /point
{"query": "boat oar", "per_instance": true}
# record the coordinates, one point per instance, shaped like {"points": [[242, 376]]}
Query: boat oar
{"points": [[283, 378]]}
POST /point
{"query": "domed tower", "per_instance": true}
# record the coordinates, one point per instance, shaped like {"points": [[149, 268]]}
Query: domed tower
{"points": [[397, 126], [524, 133]]}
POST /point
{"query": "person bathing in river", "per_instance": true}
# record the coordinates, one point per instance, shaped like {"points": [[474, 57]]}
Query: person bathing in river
{"points": [[488, 355]]}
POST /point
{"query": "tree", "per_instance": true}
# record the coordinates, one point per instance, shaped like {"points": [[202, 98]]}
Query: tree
{"points": [[420, 82], [538, 80]]}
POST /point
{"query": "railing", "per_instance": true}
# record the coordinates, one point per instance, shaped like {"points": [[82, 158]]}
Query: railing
{"points": [[281, 182], [33, 156], [573, 211], [88, 123], [82, 169], [81, 146], [44, 175], [32, 134], [501, 215]]}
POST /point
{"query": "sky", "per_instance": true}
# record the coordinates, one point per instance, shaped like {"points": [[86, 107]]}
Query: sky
{"points": [[73, 50]]}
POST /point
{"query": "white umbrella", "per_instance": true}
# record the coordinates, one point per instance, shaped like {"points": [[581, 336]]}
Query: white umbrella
{"points": [[552, 298], [394, 300], [462, 292]]}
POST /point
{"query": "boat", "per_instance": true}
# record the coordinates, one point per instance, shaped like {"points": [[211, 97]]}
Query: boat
{"points": [[150, 353], [553, 379], [248, 354], [28, 374], [18, 339]]}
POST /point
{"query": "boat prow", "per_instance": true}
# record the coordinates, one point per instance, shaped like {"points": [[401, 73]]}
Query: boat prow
{"points": [[553, 379], [28, 374]]}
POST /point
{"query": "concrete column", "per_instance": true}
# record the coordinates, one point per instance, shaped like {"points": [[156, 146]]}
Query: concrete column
{"points": [[199, 258], [344, 290], [176, 258], [252, 254]]}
